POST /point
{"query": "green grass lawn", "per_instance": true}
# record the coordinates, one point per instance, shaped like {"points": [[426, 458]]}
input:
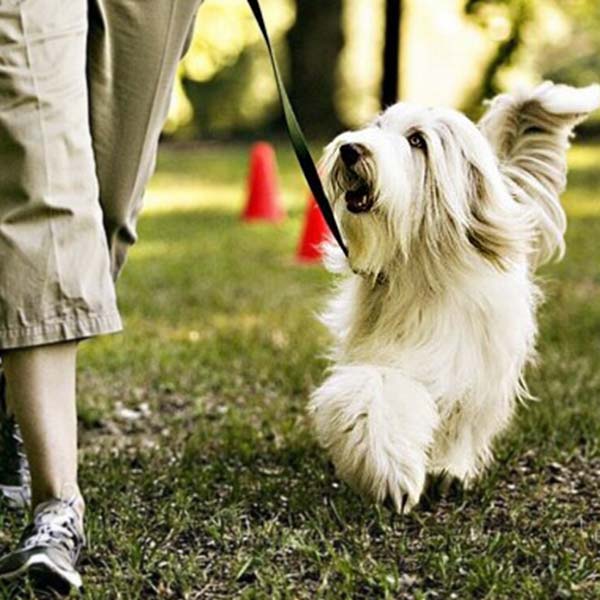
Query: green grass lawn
{"points": [[201, 475]]}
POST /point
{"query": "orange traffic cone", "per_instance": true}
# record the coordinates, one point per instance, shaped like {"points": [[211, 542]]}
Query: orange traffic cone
{"points": [[314, 234], [263, 194]]}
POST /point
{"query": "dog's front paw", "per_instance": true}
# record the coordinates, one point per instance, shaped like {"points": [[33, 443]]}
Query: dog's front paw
{"points": [[385, 477], [376, 424]]}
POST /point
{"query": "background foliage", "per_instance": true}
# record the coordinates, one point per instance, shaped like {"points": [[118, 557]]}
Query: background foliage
{"points": [[332, 55]]}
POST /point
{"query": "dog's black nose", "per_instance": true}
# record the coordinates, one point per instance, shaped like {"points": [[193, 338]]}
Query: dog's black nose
{"points": [[351, 153]]}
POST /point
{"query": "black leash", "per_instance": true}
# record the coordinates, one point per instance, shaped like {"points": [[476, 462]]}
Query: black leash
{"points": [[297, 137]]}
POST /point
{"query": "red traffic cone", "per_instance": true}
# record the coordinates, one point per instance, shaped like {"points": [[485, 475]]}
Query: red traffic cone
{"points": [[314, 234], [263, 194]]}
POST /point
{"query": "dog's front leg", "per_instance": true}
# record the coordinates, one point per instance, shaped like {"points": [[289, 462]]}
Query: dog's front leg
{"points": [[463, 445], [377, 425]]}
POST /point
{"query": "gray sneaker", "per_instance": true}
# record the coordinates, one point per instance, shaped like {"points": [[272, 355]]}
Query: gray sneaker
{"points": [[49, 549], [15, 480]]}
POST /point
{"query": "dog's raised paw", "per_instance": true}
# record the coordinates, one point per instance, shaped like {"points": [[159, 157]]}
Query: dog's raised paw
{"points": [[376, 425]]}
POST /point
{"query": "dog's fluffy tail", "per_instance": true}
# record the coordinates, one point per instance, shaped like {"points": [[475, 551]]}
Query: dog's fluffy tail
{"points": [[377, 426], [530, 133]]}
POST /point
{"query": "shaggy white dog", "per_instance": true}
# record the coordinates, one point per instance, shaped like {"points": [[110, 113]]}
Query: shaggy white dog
{"points": [[434, 320]]}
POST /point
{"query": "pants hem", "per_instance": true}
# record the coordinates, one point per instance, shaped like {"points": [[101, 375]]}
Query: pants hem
{"points": [[71, 328]]}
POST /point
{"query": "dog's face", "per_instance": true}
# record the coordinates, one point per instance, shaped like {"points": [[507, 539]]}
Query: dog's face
{"points": [[417, 181]]}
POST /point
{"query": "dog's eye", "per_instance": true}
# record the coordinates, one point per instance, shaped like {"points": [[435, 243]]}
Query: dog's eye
{"points": [[416, 140]]}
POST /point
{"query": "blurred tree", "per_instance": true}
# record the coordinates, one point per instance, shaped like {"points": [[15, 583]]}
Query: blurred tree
{"points": [[390, 84], [315, 42], [225, 84], [574, 57], [507, 19]]}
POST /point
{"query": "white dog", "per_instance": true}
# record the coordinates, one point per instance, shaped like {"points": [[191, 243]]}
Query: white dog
{"points": [[434, 321]]}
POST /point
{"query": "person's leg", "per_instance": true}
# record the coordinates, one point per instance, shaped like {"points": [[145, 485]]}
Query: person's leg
{"points": [[133, 54], [40, 384], [55, 283], [41, 388]]}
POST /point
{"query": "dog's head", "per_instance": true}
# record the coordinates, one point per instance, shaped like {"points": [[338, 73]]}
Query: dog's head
{"points": [[418, 184]]}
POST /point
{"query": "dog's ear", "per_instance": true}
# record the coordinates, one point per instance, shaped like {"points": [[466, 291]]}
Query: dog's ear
{"points": [[496, 228], [529, 132], [469, 202]]}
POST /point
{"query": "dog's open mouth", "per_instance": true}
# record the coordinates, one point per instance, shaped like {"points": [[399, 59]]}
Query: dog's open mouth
{"points": [[359, 199]]}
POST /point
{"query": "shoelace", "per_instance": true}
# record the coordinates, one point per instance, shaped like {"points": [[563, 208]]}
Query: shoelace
{"points": [[51, 526]]}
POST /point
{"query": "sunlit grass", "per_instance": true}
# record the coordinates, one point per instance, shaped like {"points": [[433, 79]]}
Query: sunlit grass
{"points": [[202, 179]]}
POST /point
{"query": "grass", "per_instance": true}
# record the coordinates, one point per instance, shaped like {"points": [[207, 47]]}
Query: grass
{"points": [[200, 472]]}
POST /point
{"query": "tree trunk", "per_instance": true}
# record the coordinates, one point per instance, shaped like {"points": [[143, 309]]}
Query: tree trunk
{"points": [[315, 43], [390, 85]]}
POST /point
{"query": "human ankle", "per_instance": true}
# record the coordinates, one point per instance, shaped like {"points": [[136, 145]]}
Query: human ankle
{"points": [[68, 493]]}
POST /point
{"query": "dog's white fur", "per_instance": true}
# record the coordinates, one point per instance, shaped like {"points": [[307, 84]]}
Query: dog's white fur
{"points": [[436, 325]]}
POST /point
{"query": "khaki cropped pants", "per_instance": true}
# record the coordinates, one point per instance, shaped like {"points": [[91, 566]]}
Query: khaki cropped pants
{"points": [[84, 91]]}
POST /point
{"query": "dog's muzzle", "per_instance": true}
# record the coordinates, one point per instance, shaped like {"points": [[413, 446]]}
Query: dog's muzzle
{"points": [[358, 197]]}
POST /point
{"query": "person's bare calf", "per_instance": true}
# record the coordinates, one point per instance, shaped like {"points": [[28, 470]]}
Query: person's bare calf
{"points": [[41, 394]]}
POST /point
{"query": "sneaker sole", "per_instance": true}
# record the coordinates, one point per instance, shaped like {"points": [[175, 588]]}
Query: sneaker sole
{"points": [[45, 574]]}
